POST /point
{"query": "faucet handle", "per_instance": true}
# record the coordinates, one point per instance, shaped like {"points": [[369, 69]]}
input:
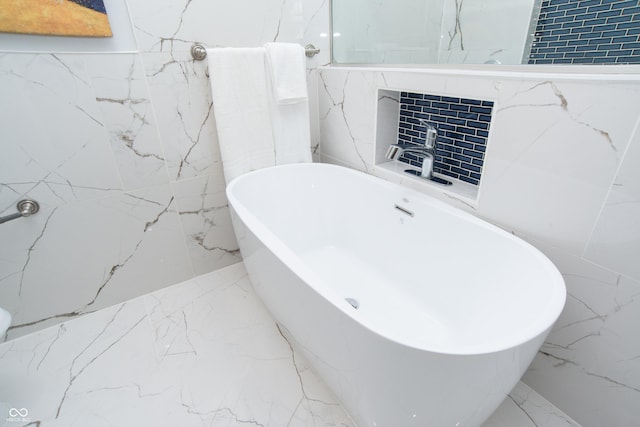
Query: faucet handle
{"points": [[430, 140], [393, 152], [432, 133], [428, 125]]}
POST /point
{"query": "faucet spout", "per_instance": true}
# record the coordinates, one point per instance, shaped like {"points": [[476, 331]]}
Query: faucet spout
{"points": [[395, 151], [428, 151]]}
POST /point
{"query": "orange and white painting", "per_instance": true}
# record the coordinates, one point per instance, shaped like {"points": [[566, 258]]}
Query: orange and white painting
{"points": [[86, 18]]}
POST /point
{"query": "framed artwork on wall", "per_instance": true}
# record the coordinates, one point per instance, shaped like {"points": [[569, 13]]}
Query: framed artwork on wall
{"points": [[82, 18]]}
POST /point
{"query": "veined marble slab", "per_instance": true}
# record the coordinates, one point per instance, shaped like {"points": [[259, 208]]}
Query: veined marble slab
{"points": [[203, 352]]}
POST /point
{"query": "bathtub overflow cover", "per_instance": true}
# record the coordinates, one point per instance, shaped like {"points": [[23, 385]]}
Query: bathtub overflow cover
{"points": [[353, 302]]}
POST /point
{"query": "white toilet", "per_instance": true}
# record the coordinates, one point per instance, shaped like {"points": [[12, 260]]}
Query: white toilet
{"points": [[5, 321]]}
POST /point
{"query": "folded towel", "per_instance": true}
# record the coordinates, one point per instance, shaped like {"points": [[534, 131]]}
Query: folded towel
{"points": [[241, 107], [289, 104], [291, 133], [287, 67]]}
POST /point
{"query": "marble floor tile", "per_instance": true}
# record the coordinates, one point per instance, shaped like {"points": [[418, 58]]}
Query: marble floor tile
{"points": [[203, 352]]}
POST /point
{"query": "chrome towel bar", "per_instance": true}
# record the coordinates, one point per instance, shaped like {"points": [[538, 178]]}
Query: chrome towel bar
{"points": [[199, 52], [25, 208]]}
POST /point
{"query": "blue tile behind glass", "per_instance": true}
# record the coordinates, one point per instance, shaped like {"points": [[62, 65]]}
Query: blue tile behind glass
{"points": [[587, 32], [463, 127]]}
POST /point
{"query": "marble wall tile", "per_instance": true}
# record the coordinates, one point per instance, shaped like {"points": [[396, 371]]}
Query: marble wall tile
{"points": [[54, 129], [181, 96], [313, 77], [315, 14], [316, 32], [182, 99], [204, 213], [120, 87], [615, 242], [91, 245], [165, 26], [347, 118], [553, 152], [58, 134], [97, 140], [83, 256]]}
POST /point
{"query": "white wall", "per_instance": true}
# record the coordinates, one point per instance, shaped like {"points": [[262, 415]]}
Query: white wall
{"points": [[120, 150], [561, 171]]}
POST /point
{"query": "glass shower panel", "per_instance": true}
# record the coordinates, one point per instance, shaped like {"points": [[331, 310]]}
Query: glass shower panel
{"points": [[485, 31], [386, 31], [431, 31]]}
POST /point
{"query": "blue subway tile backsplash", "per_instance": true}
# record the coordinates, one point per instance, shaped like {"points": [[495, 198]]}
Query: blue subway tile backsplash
{"points": [[463, 128], [587, 32]]}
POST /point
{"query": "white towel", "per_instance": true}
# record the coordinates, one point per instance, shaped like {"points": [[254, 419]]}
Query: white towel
{"points": [[289, 102], [241, 106], [287, 67]]}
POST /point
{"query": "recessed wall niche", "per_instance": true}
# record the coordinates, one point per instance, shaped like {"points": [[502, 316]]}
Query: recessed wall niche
{"points": [[463, 126]]}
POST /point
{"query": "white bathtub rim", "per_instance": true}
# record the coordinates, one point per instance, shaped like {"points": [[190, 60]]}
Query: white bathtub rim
{"points": [[545, 321]]}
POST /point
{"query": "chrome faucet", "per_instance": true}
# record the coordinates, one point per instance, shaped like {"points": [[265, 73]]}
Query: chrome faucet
{"points": [[428, 150]]}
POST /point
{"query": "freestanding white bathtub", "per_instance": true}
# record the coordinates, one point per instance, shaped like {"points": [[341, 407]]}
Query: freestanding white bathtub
{"points": [[413, 312]]}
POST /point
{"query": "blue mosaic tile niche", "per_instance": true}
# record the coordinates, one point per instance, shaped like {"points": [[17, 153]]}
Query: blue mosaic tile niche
{"points": [[587, 32], [463, 129]]}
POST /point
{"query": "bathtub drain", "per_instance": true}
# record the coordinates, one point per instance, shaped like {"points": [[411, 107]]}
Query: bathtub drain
{"points": [[353, 302]]}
